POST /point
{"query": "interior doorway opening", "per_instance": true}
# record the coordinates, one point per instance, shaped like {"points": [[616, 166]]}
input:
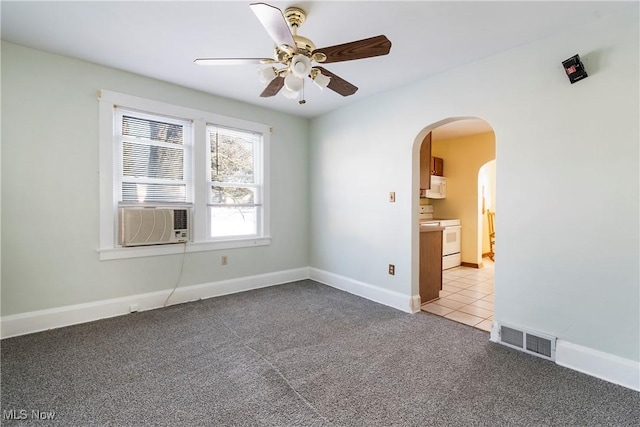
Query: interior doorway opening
{"points": [[462, 154]]}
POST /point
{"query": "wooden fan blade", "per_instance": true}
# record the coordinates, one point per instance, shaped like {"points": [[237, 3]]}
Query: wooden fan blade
{"points": [[273, 87], [365, 48], [275, 23], [232, 61], [338, 84]]}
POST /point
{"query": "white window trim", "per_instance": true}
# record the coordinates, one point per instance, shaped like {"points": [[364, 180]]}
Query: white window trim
{"points": [[108, 249]]}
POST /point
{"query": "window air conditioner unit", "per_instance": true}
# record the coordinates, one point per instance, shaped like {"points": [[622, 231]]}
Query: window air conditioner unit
{"points": [[153, 226]]}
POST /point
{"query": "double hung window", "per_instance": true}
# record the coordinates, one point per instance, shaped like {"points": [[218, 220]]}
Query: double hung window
{"points": [[234, 188], [154, 154]]}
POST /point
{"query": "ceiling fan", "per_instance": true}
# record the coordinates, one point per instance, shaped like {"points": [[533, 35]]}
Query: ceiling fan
{"points": [[294, 55]]}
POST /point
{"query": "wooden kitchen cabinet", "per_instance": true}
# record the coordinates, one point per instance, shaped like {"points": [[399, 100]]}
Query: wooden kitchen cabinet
{"points": [[437, 166], [425, 163], [430, 263]]}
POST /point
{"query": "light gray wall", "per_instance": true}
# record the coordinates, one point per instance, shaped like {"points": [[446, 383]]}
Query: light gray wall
{"points": [[567, 182], [50, 188]]}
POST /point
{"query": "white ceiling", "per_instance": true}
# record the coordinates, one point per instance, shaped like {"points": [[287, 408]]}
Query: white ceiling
{"points": [[161, 39]]}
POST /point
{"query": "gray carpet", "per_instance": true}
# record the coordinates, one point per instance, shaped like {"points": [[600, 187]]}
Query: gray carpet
{"points": [[300, 354]]}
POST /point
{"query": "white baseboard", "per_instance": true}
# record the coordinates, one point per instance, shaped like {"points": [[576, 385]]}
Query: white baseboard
{"points": [[42, 320], [605, 366], [374, 293]]}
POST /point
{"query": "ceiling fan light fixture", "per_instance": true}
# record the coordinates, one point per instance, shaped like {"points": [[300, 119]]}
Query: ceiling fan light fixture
{"points": [[321, 80], [293, 55], [300, 66], [267, 74], [288, 93], [293, 83]]}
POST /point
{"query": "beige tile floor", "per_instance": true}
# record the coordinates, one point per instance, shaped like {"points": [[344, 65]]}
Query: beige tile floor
{"points": [[466, 296]]}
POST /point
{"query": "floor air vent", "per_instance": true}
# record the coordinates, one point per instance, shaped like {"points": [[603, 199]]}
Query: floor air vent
{"points": [[511, 336], [530, 342], [539, 345]]}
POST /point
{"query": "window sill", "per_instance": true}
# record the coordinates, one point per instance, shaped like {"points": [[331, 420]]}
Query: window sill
{"points": [[178, 248]]}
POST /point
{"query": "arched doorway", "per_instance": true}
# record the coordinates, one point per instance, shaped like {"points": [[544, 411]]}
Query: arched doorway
{"points": [[464, 144]]}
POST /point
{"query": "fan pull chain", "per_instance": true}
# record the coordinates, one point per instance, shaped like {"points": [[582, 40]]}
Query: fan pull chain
{"points": [[302, 100]]}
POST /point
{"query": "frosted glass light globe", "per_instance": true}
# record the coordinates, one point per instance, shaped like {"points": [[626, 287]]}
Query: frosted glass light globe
{"points": [[289, 93], [267, 74], [321, 80], [293, 83], [300, 65]]}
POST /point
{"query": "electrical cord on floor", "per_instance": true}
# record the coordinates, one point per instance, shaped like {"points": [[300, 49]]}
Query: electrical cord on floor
{"points": [[184, 255]]}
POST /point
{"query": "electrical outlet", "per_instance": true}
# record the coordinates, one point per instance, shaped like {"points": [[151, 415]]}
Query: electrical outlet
{"points": [[224, 260], [392, 197], [392, 269]]}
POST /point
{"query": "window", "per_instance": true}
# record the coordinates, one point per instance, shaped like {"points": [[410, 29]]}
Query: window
{"points": [[154, 158], [234, 186], [161, 155]]}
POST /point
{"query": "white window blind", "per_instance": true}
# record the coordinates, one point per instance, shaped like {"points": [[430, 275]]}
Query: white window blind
{"points": [[153, 158]]}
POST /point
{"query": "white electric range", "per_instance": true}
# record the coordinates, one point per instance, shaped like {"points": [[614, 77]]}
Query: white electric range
{"points": [[450, 238]]}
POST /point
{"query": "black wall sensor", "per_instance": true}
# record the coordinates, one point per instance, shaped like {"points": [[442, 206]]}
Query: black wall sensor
{"points": [[574, 69]]}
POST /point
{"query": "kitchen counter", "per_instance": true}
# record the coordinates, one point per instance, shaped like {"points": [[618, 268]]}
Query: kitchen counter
{"points": [[423, 221], [430, 228]]}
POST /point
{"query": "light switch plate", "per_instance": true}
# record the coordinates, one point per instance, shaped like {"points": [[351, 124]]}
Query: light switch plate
{"points": [[392, 197]]}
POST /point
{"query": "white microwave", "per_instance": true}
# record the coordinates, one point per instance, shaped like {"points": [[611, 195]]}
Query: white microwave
{"points": [[438, 188]]}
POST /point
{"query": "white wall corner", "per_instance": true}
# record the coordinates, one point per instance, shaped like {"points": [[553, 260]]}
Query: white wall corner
{"points": [[377, 294], [608, 367], [42, 320]]}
